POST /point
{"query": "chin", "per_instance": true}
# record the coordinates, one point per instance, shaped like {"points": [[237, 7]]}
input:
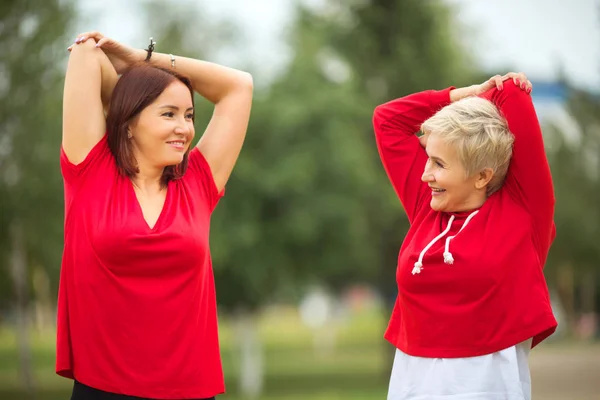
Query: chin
{"points": [[172, 161], [437, 206]]}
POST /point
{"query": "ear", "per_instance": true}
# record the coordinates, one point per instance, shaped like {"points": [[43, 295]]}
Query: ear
{"points": [[483, 178], [131, 125]]}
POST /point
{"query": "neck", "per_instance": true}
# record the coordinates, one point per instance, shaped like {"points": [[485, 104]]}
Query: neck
{"points": [[472, 203], [149, 175], [148, 179]]}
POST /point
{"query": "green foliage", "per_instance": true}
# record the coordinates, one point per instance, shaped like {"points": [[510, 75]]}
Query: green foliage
{"points": [[575, 167], [32, 49], [309, 200]]}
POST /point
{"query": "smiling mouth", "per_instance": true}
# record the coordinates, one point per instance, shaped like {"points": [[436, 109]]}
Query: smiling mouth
{"points": [[177, 143], [436, 190]]}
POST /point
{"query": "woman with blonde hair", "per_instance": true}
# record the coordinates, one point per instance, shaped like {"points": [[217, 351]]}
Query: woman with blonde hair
{"points": [[137, 311], [477, 190]]}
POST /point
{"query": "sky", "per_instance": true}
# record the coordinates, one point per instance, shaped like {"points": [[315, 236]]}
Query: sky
{"points": [[537, 37]]}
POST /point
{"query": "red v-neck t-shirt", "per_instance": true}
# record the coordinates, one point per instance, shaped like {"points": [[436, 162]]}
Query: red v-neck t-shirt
{"points": [[136, 305]]}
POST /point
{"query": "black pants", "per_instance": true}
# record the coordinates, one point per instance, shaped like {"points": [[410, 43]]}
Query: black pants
{"points": [[83, 392]]}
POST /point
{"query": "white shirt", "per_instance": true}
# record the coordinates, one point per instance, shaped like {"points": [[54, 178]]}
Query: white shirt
{"points": [[503, 375]]}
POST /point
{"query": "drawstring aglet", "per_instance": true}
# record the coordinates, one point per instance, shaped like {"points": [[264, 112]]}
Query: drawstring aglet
{"points": [[448, 259], [418, 267]]}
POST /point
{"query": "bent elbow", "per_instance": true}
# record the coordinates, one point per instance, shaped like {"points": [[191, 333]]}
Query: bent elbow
{"points": [[379, 117], [246, 81]]}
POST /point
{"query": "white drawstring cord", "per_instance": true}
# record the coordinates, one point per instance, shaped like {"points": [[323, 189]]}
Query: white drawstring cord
{"points": [[419, 264], [448, 258]]}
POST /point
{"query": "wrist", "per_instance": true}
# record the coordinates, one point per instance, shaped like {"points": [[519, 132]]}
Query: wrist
{"points": [[461, 93], [139, 55]]}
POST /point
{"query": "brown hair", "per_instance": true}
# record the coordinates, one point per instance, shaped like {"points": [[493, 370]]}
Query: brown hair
{"points": [[138, 87]]}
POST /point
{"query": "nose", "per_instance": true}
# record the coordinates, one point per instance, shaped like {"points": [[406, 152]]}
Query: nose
{"points": [[182, 128], [427, 175], [427, 178]]}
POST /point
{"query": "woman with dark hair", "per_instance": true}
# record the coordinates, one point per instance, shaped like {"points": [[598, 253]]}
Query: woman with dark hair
{"points": [[136, 307]]}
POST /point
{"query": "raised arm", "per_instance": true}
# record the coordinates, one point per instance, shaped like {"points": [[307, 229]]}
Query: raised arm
{"points": [[395, 124], [528, 179], [89, 82], [230, 91]]}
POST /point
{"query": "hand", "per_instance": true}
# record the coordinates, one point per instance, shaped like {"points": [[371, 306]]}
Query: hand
{"points": [[497, 81], [120, 55]]}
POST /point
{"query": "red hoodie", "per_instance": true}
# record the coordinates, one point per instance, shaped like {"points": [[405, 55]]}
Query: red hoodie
{"points": [[491, 294]]}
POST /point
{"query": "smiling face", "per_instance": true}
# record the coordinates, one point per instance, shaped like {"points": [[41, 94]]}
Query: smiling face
{"points": [[163, 132], [451, 189]]}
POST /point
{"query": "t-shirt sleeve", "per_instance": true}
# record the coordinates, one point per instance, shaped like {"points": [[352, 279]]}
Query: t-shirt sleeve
{"points": [[199, 175], [72, 173]]}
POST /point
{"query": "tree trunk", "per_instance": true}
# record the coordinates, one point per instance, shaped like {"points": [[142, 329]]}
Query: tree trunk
{"points": [[18, 266], [251, 371], [565, 285], [44, 315], [589, 321]]}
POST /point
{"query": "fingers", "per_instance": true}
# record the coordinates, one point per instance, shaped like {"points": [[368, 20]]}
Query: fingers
{"points": [[102, 41], [81, 38], [497, 79], [520, 80], [86, 35]]}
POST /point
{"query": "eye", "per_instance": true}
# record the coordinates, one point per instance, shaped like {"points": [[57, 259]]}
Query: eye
{"points": [[439, 164], [169, 114], [190, 116]]}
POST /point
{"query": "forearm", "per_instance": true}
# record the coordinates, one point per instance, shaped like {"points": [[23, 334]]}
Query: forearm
{"points": [[109, 78], [461, 93], [406, 114], [212, 81]]}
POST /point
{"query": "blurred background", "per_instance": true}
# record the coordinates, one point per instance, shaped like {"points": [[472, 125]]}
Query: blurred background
{"points": [[305, 241]]}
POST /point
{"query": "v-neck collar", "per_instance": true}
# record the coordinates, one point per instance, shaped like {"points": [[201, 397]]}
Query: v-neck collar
{"points": [[140, 212]]}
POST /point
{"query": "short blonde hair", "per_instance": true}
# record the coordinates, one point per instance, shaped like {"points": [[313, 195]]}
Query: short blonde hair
{"points": [[479, 133]]}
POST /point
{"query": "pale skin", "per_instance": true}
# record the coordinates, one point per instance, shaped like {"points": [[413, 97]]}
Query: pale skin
{"points": [[452, 190], [92, 73]]}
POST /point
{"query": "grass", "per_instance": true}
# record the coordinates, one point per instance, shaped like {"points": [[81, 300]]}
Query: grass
{"points": [[358, 368], [294, 370]]}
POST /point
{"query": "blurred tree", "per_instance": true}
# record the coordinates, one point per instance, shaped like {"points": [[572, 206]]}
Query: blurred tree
{"points": [[308, 200], [32, 44], [386, 49], [575, 161], [309, 194]]}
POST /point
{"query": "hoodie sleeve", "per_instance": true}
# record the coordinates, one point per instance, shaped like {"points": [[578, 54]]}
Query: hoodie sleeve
{"points": [[528, 179], [395, 124]]}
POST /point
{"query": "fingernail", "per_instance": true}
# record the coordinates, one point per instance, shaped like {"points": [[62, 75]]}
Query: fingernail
{"points": [[97, 44], [518, 82], [501, 87]]}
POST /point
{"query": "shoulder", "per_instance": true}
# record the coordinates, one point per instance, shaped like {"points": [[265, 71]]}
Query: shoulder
{"points": [[199, 177], [99, 160]]}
